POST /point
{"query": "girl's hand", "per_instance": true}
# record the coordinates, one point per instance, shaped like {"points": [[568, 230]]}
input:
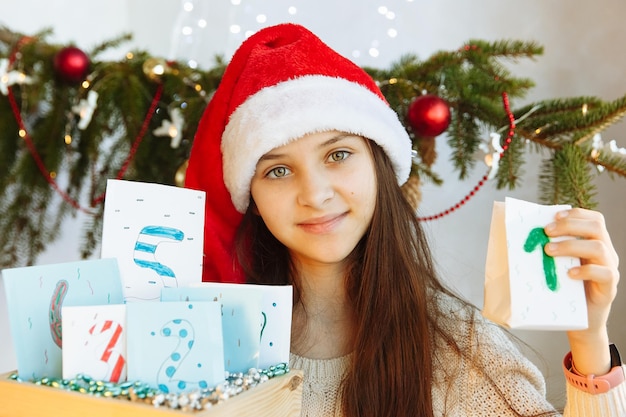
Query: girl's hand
{"points": [[599, 271]]}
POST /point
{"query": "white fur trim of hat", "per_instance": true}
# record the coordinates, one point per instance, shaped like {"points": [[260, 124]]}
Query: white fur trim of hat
{"points": [[289, 110]]}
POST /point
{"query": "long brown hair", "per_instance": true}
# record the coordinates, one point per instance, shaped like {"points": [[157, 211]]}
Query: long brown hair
{"points": [[387, 285], [389, 282]]}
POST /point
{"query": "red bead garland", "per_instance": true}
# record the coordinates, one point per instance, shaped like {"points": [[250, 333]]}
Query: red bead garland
{"points": [[39, 162], [49, 178], [483, 180]]}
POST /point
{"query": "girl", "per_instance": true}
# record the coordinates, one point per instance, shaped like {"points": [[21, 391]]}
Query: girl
{"points": [[302, 160]]}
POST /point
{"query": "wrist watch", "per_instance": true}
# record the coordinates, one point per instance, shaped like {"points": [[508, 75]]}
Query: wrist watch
{"points": [[595, 384]]}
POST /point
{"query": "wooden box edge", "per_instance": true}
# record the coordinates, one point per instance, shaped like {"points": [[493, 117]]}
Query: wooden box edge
{"points": [[280, 395]]}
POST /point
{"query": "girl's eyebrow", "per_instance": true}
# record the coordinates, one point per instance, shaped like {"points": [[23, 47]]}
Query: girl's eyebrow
{"points": [[337, 138], [270, 155]]}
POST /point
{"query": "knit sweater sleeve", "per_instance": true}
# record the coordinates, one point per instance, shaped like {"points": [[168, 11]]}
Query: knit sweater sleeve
{"points": [[491, 377], [482, 372]]}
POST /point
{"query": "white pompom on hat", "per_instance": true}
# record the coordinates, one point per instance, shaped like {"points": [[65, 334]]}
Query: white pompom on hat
{"points": [[281, 84]]}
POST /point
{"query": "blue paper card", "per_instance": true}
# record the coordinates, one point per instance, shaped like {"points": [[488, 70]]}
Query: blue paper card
{"points": [[35, 297], [175, 347], [276, 310], [275, 319], [241, 319]]}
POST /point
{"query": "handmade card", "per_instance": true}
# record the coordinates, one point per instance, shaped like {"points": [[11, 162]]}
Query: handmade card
{"points": [[35, 297], [256, 321], [275, 321], [94, 342], [276, 309], [156, 233], [524, 287], [175, 347]]}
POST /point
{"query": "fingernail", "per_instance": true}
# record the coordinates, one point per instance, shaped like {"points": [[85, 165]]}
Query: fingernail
{"points": [[562, 214], [551, 247], [549, 227], [574, 271]]}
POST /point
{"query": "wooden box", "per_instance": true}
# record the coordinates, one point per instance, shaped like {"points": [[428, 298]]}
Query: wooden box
{"points": [[280, 396]]}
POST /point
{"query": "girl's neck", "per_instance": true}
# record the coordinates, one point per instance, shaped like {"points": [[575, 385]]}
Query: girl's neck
{"points": [[323, 319]]}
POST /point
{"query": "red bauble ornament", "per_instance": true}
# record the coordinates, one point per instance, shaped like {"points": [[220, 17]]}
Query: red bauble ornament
{"points": [[71, 64], [429, 115]]}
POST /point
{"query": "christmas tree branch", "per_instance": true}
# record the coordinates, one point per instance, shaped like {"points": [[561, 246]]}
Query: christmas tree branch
{"points": [[471, 80]]}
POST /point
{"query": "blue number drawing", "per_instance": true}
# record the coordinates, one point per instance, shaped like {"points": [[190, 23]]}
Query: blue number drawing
{"points": [[263, 324], [184, 332], [145, 248]]}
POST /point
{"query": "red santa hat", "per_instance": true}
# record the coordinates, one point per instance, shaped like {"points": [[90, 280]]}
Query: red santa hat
{"points": [[281, 84]]}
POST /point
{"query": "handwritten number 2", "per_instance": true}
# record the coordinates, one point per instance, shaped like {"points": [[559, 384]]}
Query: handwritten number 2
{"points": [[538, 238]]}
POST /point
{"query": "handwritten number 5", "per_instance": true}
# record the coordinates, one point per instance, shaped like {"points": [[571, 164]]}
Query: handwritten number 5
{"points": [[538, 238]]}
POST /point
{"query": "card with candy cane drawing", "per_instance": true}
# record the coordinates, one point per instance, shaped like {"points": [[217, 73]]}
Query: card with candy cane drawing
{"points": [[94, 342], [155, 232], [35, 299], [175, 347]]}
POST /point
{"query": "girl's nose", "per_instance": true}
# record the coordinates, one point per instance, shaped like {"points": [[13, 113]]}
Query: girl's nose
{"points": [[315, 189]]}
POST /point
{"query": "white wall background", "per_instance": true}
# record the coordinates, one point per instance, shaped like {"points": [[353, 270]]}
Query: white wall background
{"points": [[584, 43]]}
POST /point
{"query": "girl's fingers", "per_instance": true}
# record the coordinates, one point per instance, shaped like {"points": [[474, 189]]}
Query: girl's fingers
{"points": [[600, 282], [593, 243], [589, 251]]}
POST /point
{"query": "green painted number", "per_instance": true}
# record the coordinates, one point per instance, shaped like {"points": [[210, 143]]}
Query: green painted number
{"points": [[538, 238]]}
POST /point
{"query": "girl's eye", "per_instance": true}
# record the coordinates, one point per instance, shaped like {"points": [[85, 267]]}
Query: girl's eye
{"points": [[278, 172], [338, 156]]}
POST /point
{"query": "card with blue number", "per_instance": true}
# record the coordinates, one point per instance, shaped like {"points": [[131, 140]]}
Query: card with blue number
{"points": [[241, 318], [256, 320], [175, 347], [156, 233]]}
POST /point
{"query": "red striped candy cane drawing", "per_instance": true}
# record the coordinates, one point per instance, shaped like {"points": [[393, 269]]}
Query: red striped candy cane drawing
{"points": [[54, 316], [111, 354]]}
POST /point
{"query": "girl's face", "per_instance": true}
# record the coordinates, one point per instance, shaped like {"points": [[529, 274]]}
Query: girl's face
{"points": [[317, 194]]}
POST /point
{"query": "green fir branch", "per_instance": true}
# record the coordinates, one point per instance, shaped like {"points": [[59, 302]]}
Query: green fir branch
{"points": [[511, 165], [472, 80], [464, 137], [566, 179]]}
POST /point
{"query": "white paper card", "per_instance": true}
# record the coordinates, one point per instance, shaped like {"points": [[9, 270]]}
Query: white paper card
{"points": [[156, 233], [94, 342], [524, 287]]}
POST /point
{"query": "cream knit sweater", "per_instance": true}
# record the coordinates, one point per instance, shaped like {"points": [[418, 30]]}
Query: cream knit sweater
{"points": [[459, 389]]}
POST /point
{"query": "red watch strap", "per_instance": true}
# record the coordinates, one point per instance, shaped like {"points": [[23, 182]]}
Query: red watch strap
{"points": [[591, 383]]}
